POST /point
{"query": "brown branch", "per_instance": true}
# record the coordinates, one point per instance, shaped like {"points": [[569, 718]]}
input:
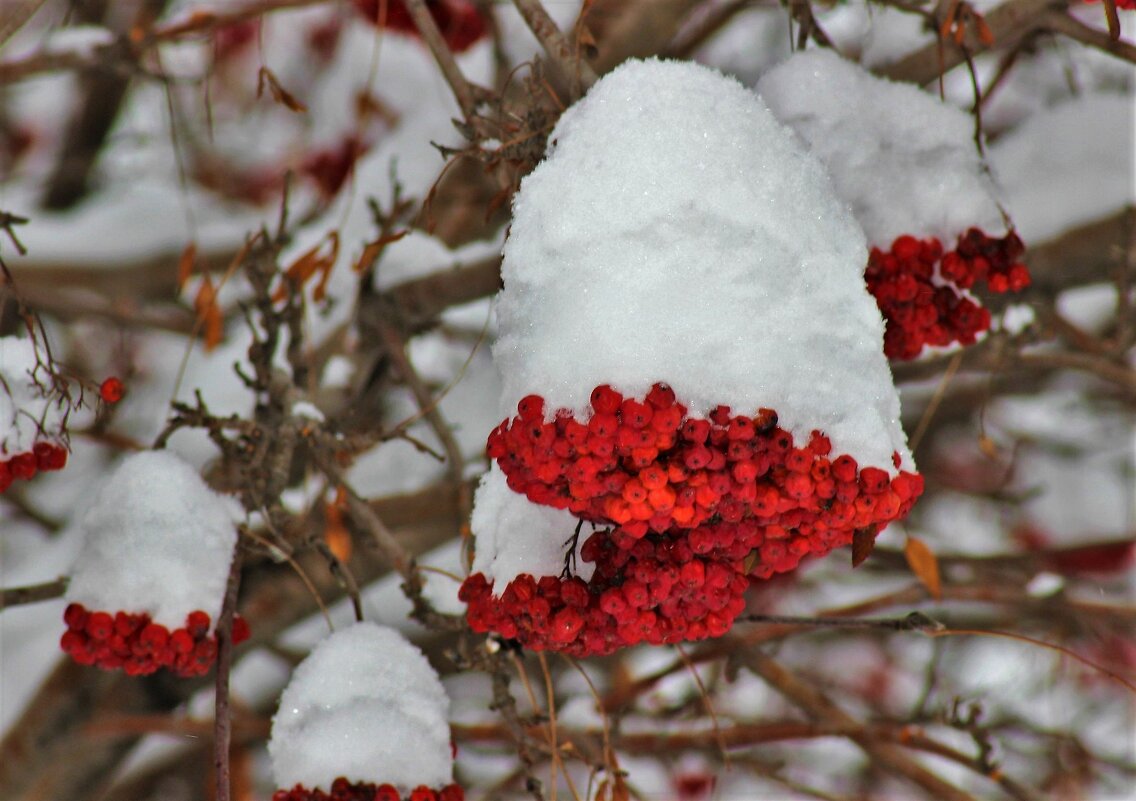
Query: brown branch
{"points": [[576, 72], [1009, 23], [462, 89], [32, 593], [222, 722], [1060, 22], [816, 704]]}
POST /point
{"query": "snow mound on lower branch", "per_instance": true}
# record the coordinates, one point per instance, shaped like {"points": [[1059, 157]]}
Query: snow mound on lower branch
{"points": [[158, 541], [905, 160], [516, 536], [677, 233], [367, 706]]}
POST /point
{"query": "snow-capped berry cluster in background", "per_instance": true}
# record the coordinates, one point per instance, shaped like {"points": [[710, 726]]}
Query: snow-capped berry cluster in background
{"points": [[32, 414], [909, 167], [364, 717], [676, 232], [148, 583]]}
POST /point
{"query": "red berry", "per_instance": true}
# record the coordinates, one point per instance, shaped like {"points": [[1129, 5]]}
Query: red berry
{"points": [[111, 390]]}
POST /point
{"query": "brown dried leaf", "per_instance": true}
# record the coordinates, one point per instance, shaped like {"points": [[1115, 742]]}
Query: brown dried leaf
{"points": [[924, 565], [335, 532], [264, 78], [987, 446], [863, 543], [209, 314], [985, 35]]}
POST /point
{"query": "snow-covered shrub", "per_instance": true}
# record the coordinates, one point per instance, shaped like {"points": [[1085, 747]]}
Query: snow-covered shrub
{"points": [[908, 165], [363, 718], [147, 586], [677, 233]]}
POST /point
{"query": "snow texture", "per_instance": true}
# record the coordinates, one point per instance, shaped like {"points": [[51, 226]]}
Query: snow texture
{"points": [[676, 232], [516, 536], [158, 540], [1058, 175], [905, 161], [28, 412], [365, 704]]}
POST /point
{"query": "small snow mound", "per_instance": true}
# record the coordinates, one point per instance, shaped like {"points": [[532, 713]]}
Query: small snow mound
{"points": [[677, 233], [516, 536], [905, 161], [158, 541], [367, 706]]}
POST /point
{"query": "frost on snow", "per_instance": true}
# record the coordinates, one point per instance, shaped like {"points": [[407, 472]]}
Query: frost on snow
{"points": [[905, 161], [516, 536], [677, 233], [367, 706], [158, 541]]}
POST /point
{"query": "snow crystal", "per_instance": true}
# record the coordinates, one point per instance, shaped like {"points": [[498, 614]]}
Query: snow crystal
{"points": [[516, 536], [26, 406], [905, 161], [365, 704], [676, 232], [158, 540], [1059, 174]]}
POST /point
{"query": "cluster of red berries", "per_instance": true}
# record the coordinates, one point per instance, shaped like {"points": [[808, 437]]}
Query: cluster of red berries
{"points": [[137, 645], [647, 466], [43, 456], [460, 21], [657, 589], [696, 506], [343, 790], [921, 290]]}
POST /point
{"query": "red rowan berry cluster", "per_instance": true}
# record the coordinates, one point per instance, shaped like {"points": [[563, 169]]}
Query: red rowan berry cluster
{"points": [[921, 290], [137, 645], [343, 790], [460, 22], [656, 589], [696, 505], [43, 456]]}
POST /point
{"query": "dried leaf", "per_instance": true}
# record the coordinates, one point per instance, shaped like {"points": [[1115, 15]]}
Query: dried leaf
{"points": [[209, 314], [335, 532], [752, 560], [985, 35], [281, 95], [924, 565], [987, 446], [373, 250], [308, 264], [185, 265], [863, 543]]}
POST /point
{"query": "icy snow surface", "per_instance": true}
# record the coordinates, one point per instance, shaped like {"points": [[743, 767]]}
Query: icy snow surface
{"points": [[677, 232], [158, 540], [365, 704], [516, 536], [25, 407], [905, 161]]}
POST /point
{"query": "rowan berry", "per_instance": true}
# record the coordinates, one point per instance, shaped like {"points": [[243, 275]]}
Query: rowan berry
{"points": [[111, 390]]}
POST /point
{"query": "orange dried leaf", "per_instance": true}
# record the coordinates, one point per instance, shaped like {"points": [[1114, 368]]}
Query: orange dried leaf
{"points": [[924, 565], [208, 314], [185, 265], [985, 35], [987, 446], [265, 77]]}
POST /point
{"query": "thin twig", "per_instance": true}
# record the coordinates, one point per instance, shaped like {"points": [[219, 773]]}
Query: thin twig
{"points": [[222, 724], [33, 593], [463, 91], [576, 71]]}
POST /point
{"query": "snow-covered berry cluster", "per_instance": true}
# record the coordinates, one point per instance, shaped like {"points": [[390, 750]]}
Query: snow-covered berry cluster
{"points": [[460, 21], [363, 718], [922, 292], [148, 582], [686, 238], [343, 790], [44, 456], [927, 187], [138, 645]]}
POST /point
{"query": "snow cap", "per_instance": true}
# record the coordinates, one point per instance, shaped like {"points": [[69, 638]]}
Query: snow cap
{"points": [[677, 233], [903, 159], [515, 535], [366, 705], [158, 541]]}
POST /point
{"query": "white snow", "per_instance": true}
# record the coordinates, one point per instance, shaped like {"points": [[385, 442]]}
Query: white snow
{"points": [[676, 232], [158, 540], [905, 161], [1060, 171], [516, 536], [28, 410], [365, 704]]}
